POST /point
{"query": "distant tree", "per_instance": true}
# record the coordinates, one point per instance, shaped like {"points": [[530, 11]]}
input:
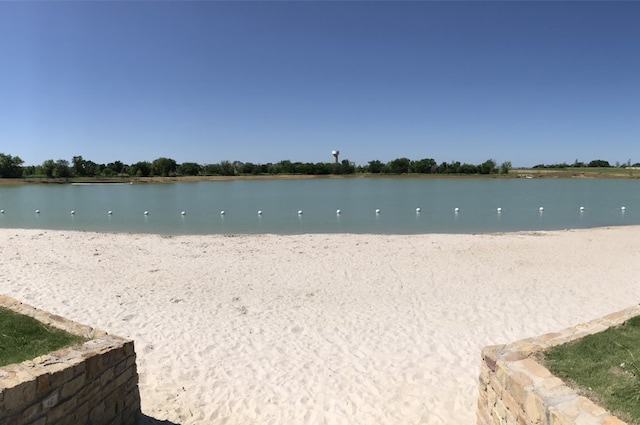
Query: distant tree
{"points": [[62, 169], [468, 168], [250, 168], [375, 166], [211, 169], [189, 169], [78, 166], [347, 167], [29, 171], [399, 166], [92, 169], [599, 163], [576, 164], [48, 167], [227, 168], [423, 166], [163, 167], [285, 167], [116, 167], [487, 167], [10, 166], [505, 167], [323, 168], [140, 169]]}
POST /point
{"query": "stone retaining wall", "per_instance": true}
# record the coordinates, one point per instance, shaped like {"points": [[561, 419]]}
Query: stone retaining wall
{"points": [[93, 383], [514, 389]]}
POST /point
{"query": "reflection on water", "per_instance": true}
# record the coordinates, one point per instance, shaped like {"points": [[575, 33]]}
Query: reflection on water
{"points": [[350, 205]]}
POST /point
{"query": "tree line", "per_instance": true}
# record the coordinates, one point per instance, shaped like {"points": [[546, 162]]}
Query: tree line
{"points": [[596, 163], [13, 167]]}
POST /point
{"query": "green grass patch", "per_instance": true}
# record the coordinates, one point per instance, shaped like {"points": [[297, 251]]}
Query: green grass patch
{"points": [[604, 367], [23, 338]]}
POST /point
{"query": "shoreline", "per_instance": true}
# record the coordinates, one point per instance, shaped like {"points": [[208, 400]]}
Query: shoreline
{"points": [[513, 174], [315, 328]]}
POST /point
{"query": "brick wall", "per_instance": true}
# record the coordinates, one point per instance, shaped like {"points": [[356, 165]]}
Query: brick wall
{"points": [[514, 389], [93, 383]]}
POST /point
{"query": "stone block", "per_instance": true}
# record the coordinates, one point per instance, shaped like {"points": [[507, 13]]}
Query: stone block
{"points": [[61, 376], [19, 392], [43, 384], [72, 387], [92, 367], [125, 377], [535, 408], [50, 401], [107, 376], [517, 385], [490, 356], [533, 368], [63, 410], [31, 412]]}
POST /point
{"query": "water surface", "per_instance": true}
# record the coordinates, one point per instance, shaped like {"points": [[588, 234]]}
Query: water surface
{"points": [[477, 201]]}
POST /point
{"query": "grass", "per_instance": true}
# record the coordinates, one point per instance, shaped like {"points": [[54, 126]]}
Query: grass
{"points": [[23, 338], [604, 367]]}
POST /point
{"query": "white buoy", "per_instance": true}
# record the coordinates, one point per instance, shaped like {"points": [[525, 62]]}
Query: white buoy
{"points": [[623, 208], [581, 208], [260, 212], [1, 211], [456, 209], [183, 213], [72, 212], [418, 210], [541, 209], [222, 212], [377, 210], [499, 210], [37, 211], [109, 212], [146, 213], [337, 212], [299, 212]]}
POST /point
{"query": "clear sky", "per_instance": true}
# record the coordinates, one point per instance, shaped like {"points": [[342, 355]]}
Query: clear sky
{"points": [[526, 82]]}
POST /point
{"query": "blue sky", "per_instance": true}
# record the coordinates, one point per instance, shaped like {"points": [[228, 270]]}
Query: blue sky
{"points": [[526, 82]]}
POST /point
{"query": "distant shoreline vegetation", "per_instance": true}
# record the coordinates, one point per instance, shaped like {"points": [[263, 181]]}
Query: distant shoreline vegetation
{"points": [[12, 167]]}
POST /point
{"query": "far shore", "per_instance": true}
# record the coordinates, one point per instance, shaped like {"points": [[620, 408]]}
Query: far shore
{"points": [[600, 173]]}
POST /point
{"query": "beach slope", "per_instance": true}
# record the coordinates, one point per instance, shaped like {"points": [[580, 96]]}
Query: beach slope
{"points": [[320, 329]]}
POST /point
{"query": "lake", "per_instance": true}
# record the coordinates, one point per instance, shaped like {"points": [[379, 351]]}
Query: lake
{"points": [[318, 200]]}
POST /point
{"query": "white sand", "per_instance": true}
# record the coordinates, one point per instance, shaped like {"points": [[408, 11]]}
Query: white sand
{"points": [[320, 329]]}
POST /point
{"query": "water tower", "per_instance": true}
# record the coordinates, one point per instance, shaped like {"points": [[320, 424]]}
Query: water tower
{"points": [[335, 156]]}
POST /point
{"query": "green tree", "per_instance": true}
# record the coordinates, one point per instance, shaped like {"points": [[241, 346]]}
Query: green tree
{"points": [[48, 167], [423, 166], [227, 168], [62, 169], [140, 169], [399, 166], [599, 163], [375, 166], [10, 166], [189, 169], [163, 167], [487, 167], [505, 167], [78, 166]]}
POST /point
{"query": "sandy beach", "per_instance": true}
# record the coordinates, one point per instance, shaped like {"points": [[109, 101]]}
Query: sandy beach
{"points": [[320, 329]]}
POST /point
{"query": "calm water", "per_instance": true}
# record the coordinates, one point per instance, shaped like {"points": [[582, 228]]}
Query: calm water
{"points": [[280, 201]]}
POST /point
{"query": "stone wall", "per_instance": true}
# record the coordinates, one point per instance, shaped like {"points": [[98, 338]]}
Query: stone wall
{"points": [[514, 389], [93, 383]]}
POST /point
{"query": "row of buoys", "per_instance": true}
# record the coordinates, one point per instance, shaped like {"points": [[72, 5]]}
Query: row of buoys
{"points": [[338, 212]]}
